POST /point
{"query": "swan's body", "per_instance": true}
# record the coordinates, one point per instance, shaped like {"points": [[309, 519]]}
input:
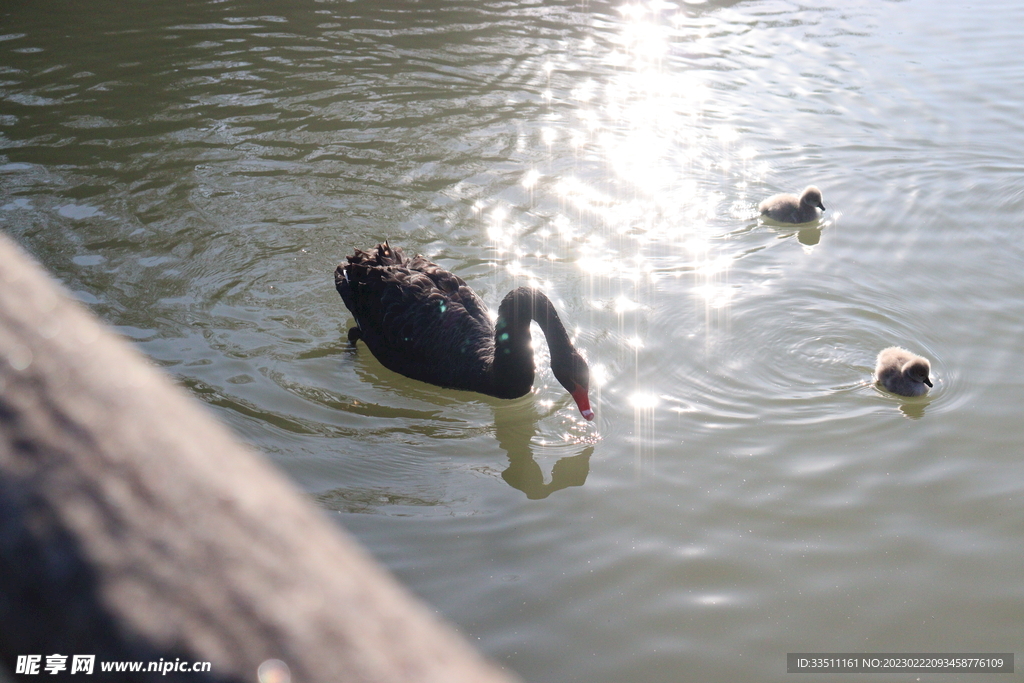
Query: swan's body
{"points": [[903, 372], [788, 208], [424, 322]]}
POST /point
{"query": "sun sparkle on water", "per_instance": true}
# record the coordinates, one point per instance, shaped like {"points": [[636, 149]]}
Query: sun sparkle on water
{"points": [[644, 401], [530, 178], [624, 304], [633, 176]]}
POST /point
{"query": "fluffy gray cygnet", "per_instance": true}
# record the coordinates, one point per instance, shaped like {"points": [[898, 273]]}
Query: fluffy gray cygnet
{"points": [[788, 208], [902, 372]]}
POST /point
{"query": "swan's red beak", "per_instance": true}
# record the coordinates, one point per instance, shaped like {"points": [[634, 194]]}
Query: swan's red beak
{"points": [[583, 402]]}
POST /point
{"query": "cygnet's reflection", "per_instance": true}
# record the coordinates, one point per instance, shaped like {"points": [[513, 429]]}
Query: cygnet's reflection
{"points": [[914, 410], [515, 427], [809, 237]]}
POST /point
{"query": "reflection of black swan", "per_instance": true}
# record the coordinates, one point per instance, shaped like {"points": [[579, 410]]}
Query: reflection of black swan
{"points": [[424, 322]]}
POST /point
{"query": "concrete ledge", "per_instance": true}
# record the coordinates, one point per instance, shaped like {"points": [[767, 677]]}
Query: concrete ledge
{"points": [[134, 527]]}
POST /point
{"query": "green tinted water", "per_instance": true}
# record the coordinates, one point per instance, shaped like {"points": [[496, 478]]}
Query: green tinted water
{"points": [[194, 171]]}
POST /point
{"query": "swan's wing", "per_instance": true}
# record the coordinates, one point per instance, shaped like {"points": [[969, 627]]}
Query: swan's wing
{"points": [[453, 286], [413, 317]]}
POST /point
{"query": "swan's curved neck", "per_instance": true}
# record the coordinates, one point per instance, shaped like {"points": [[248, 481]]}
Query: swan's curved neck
{"points": [[513, 354]]}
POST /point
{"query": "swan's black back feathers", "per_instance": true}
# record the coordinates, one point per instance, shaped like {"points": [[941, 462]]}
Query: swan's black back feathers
{"points": [[418, 319]]}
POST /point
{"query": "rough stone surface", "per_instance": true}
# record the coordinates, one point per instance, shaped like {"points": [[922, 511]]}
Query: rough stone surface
{"points": [[133, 526]]}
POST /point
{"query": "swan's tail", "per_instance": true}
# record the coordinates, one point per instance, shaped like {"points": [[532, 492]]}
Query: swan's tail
{"points": [[380, 256]]}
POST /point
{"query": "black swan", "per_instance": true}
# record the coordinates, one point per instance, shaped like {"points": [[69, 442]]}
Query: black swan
{"points": [[424, 322]]}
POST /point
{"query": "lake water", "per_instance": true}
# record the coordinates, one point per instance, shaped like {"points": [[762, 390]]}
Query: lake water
{"points": [[193, 171]]}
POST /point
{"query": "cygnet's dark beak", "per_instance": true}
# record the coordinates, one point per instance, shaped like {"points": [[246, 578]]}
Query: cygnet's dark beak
{"points": [[928, 382], [821, 205]]}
